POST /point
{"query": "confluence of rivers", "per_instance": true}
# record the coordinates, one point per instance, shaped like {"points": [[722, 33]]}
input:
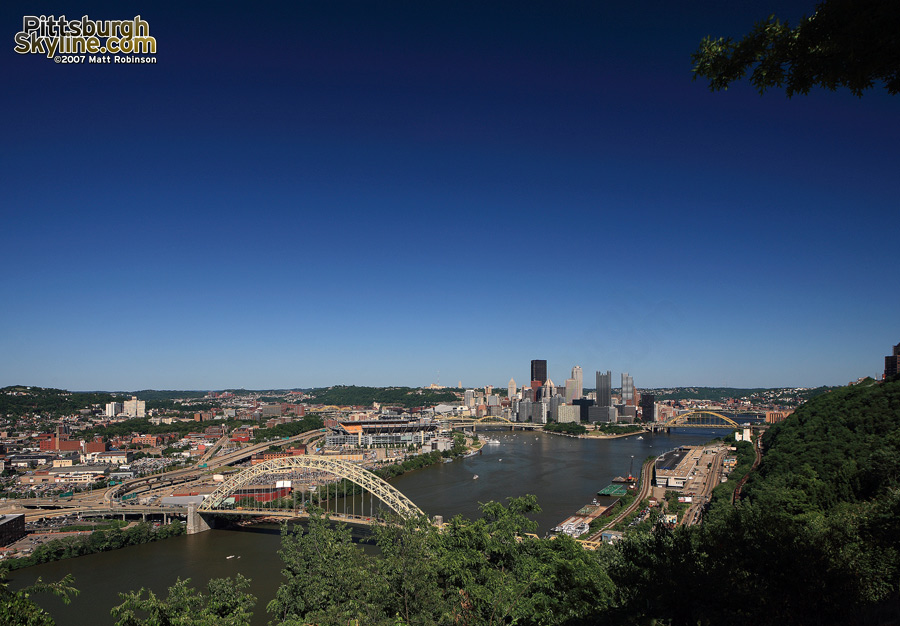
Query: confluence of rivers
{"points": [[563, 472]]}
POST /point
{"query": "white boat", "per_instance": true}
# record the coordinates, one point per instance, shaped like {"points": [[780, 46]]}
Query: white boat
{"points": [[230, 556], [491, 442], [640, 436], [475, 477]]}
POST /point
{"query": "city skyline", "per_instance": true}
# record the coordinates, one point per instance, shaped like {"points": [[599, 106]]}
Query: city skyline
{"points": [[370, 195]]}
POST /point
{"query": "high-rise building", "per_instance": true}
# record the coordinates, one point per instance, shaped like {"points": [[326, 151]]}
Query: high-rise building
{"points": [[524, 410], [539, 370], [578, 375], [113, 409], [567, 413], [627, 389], [604, 389], [602, 414], [892, 363], [570, 390], [539, 411], [583, 405], [648, 407], [511, 390], [134, 407], [469, 398], [549, 389]]}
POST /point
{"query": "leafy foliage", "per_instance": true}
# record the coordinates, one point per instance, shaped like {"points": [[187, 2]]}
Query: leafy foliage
{"points": [[225, 603], [482, 572], [566, 427], [97, 541], [844, 43], [407, 397], [815, 539], [19, 401], [290, 429], [17, 607]]}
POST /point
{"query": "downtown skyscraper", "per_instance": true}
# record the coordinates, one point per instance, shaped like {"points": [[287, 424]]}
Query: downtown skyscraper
{"points": [[604, 389], [539, 370], [627, 389], [578, 377]]}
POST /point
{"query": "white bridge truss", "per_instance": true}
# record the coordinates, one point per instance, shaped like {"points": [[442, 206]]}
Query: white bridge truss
{"points": [[318, 468]]}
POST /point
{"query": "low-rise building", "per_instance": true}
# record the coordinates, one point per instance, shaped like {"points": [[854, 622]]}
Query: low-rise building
{"points": [[83, 474], [12, 528], [114, 457]]}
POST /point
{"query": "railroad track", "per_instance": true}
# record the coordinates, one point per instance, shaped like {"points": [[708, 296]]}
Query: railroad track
{"points": [[643, 492]]}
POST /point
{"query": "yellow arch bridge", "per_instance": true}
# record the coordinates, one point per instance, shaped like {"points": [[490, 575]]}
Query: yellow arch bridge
{"points": [[486, 418], [699, 419], [472, 422], [337, 486]]}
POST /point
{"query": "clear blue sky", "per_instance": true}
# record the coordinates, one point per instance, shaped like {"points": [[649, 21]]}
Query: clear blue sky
{"points": [[371, 192]]}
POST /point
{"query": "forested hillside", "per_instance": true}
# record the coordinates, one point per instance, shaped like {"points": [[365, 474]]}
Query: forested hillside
{"points": [[815, 540]]}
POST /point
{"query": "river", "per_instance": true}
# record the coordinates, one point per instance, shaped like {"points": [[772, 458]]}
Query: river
{"points": [[563, 472]]}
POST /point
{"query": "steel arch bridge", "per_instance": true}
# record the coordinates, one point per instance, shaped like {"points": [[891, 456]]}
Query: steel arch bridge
{"points": [[478, 420], [382, 490], [494, 418], [700, 418]]}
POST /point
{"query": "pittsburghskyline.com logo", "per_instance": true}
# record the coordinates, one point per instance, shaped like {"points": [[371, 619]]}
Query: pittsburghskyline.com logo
{"points": [[85, 40]]}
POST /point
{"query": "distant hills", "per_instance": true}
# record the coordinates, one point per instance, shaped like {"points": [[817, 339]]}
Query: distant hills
{"points": [[19, 400]]}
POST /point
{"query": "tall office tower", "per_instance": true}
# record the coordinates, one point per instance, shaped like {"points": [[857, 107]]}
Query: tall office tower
{"points": [[488, 390], [570, 390], [549, 389], [604, 389], [114, 408], [539, 370], [892, 363], [539, 411], [648, 407], [555, 401], [135, 407], [511, 390], [524, 411], [578, 375], [470, 398], [627, 389]]}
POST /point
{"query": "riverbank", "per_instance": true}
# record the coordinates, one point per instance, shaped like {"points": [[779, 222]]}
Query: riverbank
{"points": [[80, 543], [595, 434]]}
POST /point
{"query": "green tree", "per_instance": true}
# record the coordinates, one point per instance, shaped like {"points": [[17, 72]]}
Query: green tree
{"points": [[225, 603], [328, 580], [844, 43], [17, 607], [410, 567]]}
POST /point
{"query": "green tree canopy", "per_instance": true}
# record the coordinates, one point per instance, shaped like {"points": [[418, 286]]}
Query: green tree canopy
{"points": [[225, 603], [844, 43]]}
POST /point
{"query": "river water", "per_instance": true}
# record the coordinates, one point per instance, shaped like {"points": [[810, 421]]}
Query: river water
{"points": [[563, 472]]}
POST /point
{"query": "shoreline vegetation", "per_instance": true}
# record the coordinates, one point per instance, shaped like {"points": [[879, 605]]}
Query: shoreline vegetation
{"points": [[82, 544]]}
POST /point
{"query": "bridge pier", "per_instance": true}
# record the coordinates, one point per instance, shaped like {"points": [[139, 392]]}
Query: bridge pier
{"points": [[195, 522]]}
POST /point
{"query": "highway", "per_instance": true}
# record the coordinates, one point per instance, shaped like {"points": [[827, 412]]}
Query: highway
{"points": [[104, 500]]}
